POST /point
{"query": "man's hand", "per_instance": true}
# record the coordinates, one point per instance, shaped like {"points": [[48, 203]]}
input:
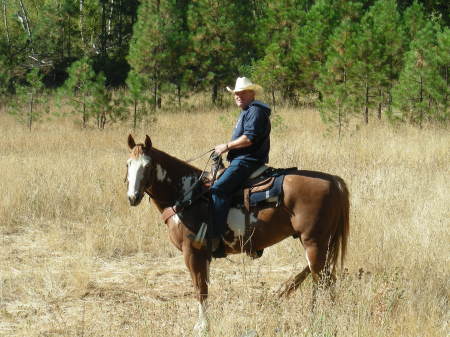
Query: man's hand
{"points": [[242, 141], [221, 148]]}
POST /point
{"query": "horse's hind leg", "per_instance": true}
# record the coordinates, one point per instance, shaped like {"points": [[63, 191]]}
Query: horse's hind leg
{"points": [[316, 262], [292, 284], [317, 257]]}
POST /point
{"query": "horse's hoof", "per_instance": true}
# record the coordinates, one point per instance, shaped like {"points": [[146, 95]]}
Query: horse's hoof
{"points": [[201, 330]]}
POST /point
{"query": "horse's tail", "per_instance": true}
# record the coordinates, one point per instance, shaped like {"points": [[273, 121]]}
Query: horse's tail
{"points": [[340, 238]]}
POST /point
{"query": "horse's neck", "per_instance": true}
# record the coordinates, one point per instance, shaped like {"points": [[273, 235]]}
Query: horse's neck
{"points": [[173, 179]]}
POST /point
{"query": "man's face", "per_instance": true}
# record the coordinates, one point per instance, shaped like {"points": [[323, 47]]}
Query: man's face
{"points": [[244, 98]]}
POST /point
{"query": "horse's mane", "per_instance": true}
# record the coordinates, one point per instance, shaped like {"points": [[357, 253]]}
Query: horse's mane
{"points": [[173, 161]]}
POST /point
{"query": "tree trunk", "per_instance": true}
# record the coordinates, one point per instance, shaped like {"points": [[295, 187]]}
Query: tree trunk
{"points": [[135, 114], [5, 21], [420, 102], [366, 104], [120, 23], [25, 18], [82, 23], [214, 93], [26, 24], [179, 94], [84, 112], [380, 103], [63, 36], [446, 94], [159, 100], [103, 34], [30, 119], [273, 99], [389, 101], [102, 120], [155, 95], [111, 12], [339, 120]]}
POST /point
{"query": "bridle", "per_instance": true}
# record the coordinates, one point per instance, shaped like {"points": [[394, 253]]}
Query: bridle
{"points": [[150, 177], [147, 181]]}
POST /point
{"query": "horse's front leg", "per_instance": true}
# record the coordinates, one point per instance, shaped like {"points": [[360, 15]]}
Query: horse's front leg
{"points": [[198, 263]]}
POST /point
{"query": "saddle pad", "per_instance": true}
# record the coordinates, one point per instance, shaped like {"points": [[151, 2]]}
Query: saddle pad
{"points": [[274, 191]]}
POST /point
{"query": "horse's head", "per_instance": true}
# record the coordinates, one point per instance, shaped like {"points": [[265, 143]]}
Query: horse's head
{"points": [[139, 167]]}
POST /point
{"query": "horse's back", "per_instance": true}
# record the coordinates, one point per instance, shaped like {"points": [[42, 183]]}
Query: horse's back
{"points": [[309, 187], [313, 197]]}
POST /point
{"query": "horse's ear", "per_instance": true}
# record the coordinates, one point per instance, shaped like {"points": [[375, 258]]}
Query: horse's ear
{"points": [[148, 142], [131, 142]]}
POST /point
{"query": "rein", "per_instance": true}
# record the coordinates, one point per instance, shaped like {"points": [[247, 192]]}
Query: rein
{"points": [[182, 204], [199, 156]]}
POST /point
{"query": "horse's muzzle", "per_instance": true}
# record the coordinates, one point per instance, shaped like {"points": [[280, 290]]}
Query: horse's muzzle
{"points": [[135, 199]]}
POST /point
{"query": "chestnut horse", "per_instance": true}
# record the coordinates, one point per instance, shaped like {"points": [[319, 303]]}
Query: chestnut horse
{"points": [[314, 208]]}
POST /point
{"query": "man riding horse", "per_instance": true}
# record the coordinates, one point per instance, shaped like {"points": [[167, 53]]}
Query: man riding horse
{"points": [[314, 206], [247, 150]]}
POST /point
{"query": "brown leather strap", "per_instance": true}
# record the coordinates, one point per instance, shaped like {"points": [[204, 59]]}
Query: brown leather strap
{"points": [[167, 213], [263, 185], [247, 206], [247, 199]]}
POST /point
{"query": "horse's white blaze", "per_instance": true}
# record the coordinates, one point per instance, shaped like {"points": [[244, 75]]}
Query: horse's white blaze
{"points": [[136, 174], [160, 173]]}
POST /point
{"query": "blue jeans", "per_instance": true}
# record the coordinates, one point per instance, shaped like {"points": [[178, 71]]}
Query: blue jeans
{"points": [[223, 189]]}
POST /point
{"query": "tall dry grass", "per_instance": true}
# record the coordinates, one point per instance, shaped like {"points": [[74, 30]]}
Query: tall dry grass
{"points": [[76, 260]]}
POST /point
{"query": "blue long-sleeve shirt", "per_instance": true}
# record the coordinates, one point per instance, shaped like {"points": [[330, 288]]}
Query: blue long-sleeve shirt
{"points": [[254, 122]]}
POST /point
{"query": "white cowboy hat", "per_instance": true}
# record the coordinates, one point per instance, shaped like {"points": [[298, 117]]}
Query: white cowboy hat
{"points": [[243, 83]]}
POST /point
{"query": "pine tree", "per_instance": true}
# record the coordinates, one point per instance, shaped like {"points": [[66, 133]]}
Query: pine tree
{"points": [[282, 24], [337, 106], [413, 21], [269, 71], [101, 100], [443, 88], [221, 41], [15, 44], [79, 88], [105, 107], [55, 29], [148, 47], [136, 95], [177, 44], [4, 76], [29, 106], [376, 47], [422, 91], [311, 44]]}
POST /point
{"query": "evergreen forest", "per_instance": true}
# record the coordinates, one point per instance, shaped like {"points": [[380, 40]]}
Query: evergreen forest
{"points": [[363, 58]]}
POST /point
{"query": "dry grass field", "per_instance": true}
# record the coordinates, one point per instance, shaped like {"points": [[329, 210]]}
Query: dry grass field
{"points": [[76, 260]]}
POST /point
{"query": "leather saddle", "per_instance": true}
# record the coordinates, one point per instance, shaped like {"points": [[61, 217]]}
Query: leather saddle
{"points": [[257, 178], [263, 183]]}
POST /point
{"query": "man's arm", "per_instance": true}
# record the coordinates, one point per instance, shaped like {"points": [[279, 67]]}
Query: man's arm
{"points": [[238, 143]]}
